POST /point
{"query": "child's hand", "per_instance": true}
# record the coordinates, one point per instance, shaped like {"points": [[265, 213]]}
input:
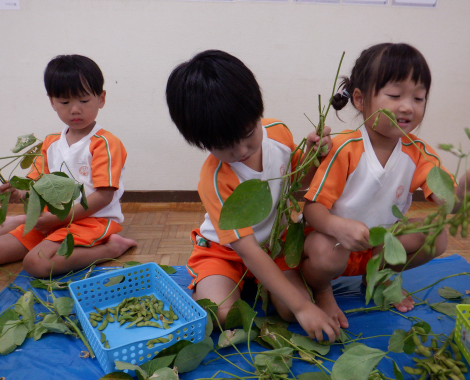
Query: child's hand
{"points": [[15, 195], [313, 140], [352, 235], [47, 222], [315, 321]]}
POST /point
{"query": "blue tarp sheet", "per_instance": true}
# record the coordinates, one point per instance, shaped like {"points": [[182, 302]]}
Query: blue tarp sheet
{"points": [[56, 357]]}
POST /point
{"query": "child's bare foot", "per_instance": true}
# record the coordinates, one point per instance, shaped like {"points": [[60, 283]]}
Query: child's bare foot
{"points": [[405, 305], [326, 301], [118, 245]]}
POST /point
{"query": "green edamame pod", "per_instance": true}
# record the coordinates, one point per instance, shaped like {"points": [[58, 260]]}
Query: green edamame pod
{"points": [[163, 340], [173, 314], [103, 337], [93, 322], [390, 114], [152, 312], [413, 371], [135, 322], [165, 325], [103, 325], [376, 122], [106, 344], [422, 333], [101, 312], [110, 318], [421, 349], [170, 337], [294, 203], [316, 162]]}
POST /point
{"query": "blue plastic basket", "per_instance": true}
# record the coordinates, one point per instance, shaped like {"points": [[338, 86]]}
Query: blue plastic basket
{"points": [[129, 345]]}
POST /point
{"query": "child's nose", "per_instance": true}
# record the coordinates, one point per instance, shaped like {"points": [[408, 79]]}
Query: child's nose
{"points": [[240, 151], [406, 106], [75, 109]]}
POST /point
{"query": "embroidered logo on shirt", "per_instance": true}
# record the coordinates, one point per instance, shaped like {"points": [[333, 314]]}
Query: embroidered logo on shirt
{"points": [[84, 170], [282, 169], [400, 191]]}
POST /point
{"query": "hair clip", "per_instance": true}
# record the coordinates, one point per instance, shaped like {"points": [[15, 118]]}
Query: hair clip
{"points": [[345, 94]]}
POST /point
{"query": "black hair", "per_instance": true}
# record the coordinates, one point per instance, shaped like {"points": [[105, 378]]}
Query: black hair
{"points": [[379, 65], [214, 100], [72, 76]]}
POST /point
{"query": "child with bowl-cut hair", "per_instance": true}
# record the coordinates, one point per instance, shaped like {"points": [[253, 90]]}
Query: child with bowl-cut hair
{"points": [[216, 103], [89, 154]]}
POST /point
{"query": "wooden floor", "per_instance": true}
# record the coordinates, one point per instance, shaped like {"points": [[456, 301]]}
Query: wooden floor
{"points": [[162, 233]]}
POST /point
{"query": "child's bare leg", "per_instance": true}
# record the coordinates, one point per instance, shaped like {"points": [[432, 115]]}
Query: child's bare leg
{"points": [[11, 249], [296, 279], [217, 288], [11, 223], [324, 261], [42, 260]]}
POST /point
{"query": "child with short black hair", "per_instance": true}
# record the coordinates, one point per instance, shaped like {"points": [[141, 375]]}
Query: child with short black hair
{"points": [[370, 170], [85, 152], [216, 104]]}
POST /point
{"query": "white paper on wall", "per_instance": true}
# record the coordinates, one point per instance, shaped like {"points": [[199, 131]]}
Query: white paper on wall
{"points": [[373, 2], [318, 1], [9, 5], [416, 3]]}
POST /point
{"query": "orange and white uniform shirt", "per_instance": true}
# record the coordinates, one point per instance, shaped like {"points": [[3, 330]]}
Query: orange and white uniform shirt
{"points": [[353, 184], [97, 160], [219, 179], [217, 182]]}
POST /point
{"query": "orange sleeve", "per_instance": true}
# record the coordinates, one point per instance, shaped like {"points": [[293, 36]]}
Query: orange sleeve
{"points": [[36, 168], [330, 179], [108, 158], [425, 158], [216, 183]]}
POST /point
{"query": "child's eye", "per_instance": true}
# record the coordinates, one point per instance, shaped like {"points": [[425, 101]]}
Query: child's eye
{"points": [[64, 103], [394, 96], [419, 99], [84, 101]]}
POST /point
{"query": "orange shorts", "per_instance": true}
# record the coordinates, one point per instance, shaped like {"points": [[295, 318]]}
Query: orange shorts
{"points": [[357, 263], [219, 260], [87, 232]]}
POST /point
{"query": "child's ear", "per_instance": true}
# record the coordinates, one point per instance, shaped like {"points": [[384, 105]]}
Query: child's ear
{"points": [[358, 99], [102, 99], [52, 103]]}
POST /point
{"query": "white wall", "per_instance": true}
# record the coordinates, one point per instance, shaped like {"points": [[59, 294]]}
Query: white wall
{"points": [[292, 48]]}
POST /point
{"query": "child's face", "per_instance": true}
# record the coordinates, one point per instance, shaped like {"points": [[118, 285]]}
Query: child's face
{"points": [[406, 99], [79, 113], [245, 151]]}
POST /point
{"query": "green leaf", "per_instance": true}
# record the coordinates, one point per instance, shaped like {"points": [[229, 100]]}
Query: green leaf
{"points": [[229, 337], [83, 199], [27, 161], [441, 184], [50, 284], [356, 363], [467, 131], [167, 269], [465, 300], [424, 325], [39, 329], [379, 298], [275, 335], [394, 252], [189, 358], [393, 292], [294, 244], [273, 320], [409, 345], [116, 376], [209, 325], [129, 264], [310, 345], [174, 349], [376, 236], [240, 314], [24, 307], [165, 374], [397, 372], [61, 214], [21, 183], [63, 306], [4, 199], [23, 142], [55, 190], [277, 361], [13, 335], [115, 280], [67, 246], [397, 340], [449, 293], [249, 204], [446, 308], [207, 304], [372, 276], [132, 367], [57, 327], [35, 207], [8, 315], [313, 376], [397, 213], [155, 364], [446, 147]]}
